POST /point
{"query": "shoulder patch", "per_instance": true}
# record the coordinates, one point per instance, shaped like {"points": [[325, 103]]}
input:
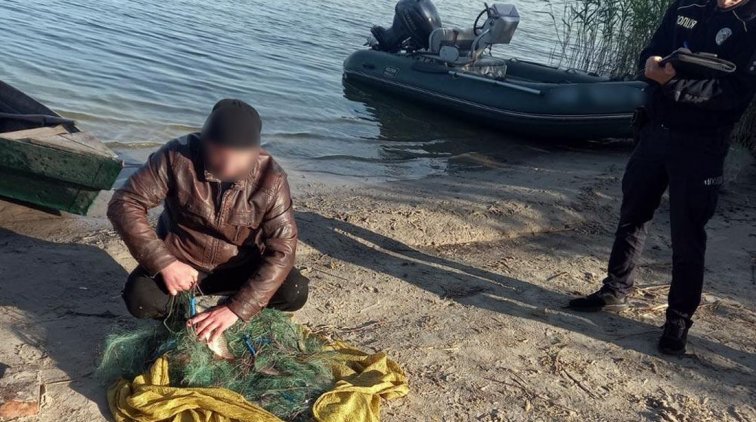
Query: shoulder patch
{"points": [[723, 35]]}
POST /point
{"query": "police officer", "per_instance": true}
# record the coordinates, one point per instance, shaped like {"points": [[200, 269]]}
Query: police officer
{"points": [[682, 146]]}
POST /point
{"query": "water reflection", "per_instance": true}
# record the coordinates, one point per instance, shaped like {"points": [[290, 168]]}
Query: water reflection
{"points": [[139, 73], [413, 131]]}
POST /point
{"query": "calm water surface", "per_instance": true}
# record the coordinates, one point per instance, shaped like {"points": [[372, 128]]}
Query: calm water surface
{"points": [[139, 72]]}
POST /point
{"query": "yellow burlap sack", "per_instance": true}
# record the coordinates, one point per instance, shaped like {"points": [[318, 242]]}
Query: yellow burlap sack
{"points": [[362, 380]]}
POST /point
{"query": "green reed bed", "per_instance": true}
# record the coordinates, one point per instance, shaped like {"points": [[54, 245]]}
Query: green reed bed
{"points": [[607, 36]]}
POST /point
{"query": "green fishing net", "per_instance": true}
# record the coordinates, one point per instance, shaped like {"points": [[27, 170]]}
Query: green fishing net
{"points": [[269, 360]]}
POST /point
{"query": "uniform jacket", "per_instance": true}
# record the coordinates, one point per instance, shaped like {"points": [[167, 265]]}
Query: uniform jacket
{"points": [[207, 227], [702, 105]]}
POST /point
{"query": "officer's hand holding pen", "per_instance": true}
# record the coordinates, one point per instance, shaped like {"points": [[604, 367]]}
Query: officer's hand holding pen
{"points": [[657, 72]]}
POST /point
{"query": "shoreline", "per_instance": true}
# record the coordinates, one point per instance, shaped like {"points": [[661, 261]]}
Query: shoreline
{"points": [[460, 278]]}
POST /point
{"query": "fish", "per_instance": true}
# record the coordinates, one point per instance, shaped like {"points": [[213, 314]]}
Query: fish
{"points": [[220, 349], [270, 371]]}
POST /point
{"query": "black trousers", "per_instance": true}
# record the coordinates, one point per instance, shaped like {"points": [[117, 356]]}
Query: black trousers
{"points": [[147, 297], [691, 166]]}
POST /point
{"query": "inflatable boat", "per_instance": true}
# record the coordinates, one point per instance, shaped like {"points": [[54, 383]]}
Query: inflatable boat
{"points": [[453, 70], [45, 160]]}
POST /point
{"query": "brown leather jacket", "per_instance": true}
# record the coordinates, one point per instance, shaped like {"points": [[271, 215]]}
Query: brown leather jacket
{"points": [[208, 228]]}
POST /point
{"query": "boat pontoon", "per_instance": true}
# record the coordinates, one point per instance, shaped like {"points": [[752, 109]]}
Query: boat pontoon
{"points": [[453, 69]]}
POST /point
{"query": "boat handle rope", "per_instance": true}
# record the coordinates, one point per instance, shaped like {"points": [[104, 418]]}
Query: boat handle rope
{"points": [[533, 91]]}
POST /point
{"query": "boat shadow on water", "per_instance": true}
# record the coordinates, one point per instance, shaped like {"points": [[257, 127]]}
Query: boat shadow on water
{"points": [[410, 130], [59, 301]]}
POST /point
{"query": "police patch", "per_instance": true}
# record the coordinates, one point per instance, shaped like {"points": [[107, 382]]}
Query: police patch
{"points": [[723, 35]]}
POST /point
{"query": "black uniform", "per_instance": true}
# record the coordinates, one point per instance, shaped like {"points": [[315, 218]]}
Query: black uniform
{"points": [[683, 145]]}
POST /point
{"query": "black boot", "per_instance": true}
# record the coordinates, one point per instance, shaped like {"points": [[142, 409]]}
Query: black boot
{"points": [[675, 336], [604, 299]]}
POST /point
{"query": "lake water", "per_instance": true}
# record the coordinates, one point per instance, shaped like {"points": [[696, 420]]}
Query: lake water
{"points": [[137, 73]]}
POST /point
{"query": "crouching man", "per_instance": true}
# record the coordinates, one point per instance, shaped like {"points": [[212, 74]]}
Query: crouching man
{"points": [[227, 226]]}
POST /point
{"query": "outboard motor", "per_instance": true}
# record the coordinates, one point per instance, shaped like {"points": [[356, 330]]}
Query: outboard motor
{"points": [[414, 20]]}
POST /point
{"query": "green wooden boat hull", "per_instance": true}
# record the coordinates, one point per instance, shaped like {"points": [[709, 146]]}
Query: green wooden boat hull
{"points": [[46, 161], [47, 192]]}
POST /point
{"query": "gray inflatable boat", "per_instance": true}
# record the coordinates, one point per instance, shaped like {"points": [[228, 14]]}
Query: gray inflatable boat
{"points": [[453, 70]]}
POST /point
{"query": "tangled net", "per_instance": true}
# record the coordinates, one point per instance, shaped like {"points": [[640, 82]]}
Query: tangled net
{"points": [[270, 360]]}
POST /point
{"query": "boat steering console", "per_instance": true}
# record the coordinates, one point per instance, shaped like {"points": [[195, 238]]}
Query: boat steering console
{"points": [[417, 28]]}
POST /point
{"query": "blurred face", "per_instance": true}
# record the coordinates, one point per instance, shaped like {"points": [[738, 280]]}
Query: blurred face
{"points": [[229, 164]]}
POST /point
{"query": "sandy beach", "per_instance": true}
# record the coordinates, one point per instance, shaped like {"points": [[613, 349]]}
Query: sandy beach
{"points": [[461, 278]]}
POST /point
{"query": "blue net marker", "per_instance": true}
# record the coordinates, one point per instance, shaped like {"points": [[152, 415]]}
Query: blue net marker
{"points": [[192, 306], [250, 346]]}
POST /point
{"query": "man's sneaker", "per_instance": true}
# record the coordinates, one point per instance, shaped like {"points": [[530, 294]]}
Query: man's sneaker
{"points": [[675, 336], [601, 300]]}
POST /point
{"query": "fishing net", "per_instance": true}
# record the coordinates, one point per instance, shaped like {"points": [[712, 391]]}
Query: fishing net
{"points": [[271, 361]]}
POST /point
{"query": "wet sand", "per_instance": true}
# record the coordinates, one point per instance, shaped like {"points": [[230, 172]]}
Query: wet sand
{"points": [[461, 278]]}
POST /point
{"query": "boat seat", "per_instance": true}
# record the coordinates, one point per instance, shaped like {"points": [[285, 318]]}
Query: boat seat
{"points": [[460, 38], [10, 122]]}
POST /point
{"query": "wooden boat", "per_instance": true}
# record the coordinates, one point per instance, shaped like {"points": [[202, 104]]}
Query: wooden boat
{"points": [[46, 160]]}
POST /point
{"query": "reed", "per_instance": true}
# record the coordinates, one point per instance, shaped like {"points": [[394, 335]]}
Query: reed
{"points": [[607, 36], [745, 131], [604, 36]]}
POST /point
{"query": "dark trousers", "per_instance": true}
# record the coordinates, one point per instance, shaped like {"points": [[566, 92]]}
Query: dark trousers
{"points": [[147, 297], [691, 166]]}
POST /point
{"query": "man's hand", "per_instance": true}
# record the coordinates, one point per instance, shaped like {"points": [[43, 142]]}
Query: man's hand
{"points": [[179, 277], [210, 324], [656, 72]]}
